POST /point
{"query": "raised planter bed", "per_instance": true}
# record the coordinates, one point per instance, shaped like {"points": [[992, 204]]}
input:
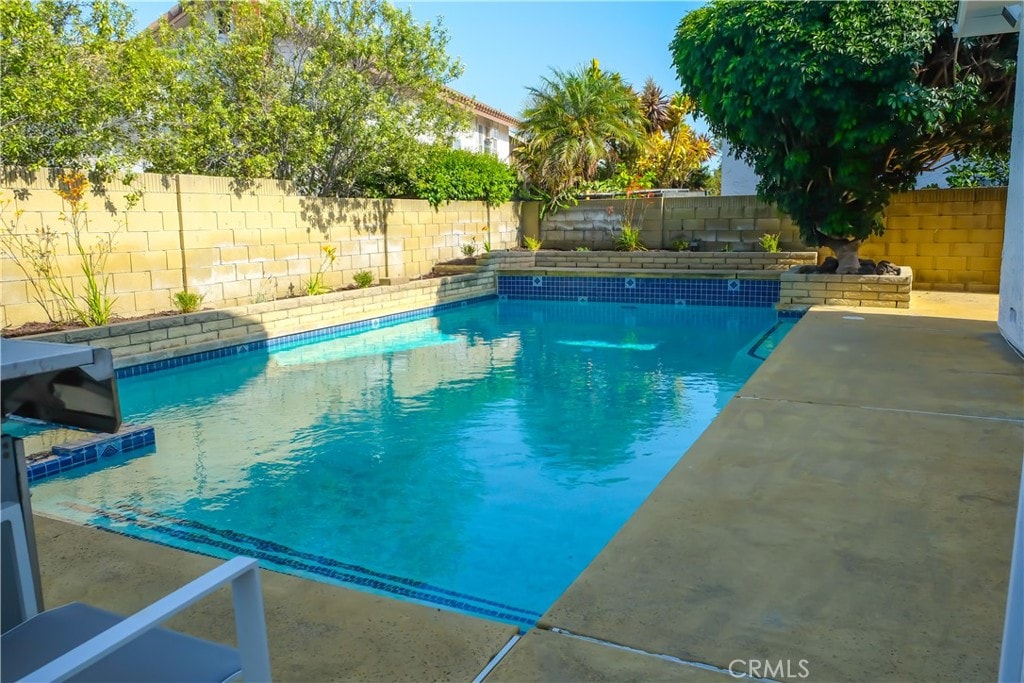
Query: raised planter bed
{"points": [[800, 290]]}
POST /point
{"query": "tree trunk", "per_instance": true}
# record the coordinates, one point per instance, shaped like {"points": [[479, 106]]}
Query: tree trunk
{"points": [[847, 251]]}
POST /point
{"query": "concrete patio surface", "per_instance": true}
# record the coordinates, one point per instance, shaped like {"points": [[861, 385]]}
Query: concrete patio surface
{"points": [[317, 632], [851, 509]]}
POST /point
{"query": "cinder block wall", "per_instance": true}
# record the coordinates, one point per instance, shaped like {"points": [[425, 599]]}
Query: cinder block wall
{"points": [[952, 239], [239, 242]]}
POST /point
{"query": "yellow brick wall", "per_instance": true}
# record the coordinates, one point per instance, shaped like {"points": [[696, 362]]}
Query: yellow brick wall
{"points": [[953, 239], [239, 243]]}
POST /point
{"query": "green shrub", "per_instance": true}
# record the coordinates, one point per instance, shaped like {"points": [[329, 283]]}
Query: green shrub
{"points": [[187, 302], [770, 242], [363, 278], [629, 240], [680, 245], [449, 175], [532, 243]]}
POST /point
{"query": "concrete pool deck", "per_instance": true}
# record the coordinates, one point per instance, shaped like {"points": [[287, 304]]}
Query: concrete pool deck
{"points": [[852, 508]]}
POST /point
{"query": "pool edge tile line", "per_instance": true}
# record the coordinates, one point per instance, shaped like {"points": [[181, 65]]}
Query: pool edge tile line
{"points": [[319, 334], [341, 572]]}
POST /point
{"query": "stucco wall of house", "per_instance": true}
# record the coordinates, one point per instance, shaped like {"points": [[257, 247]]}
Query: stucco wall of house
{"points": [[1011, 296], [483, 129]]}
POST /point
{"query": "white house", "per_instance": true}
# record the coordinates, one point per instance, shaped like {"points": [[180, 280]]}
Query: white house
{"points": [[490, 130]]}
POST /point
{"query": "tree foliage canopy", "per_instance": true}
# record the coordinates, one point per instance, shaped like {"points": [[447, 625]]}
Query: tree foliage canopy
{"points": [[326, 95], [318, 93], [837, 105], [75, 85]]}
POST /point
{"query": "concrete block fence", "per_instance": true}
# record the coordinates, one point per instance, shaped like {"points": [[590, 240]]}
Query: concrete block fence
{"points": [[244, 242], [240, 242]]}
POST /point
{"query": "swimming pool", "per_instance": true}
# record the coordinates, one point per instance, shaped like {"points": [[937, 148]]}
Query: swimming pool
{"points": [[477, 460]]}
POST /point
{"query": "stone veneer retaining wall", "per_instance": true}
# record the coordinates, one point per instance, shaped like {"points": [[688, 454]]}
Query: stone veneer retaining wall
{"points": [[158, 339], [884, 291]]}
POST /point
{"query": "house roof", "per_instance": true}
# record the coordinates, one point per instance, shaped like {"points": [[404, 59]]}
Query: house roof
{"points": [[482, 109]]}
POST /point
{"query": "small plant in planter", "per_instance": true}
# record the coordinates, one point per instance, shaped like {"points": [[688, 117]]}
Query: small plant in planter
{"points": [[469, 248], [187, 302], [582, 249], [316, 285], [681, 245], [770, 242], [532, 243], [629, 240], [363, 278]]}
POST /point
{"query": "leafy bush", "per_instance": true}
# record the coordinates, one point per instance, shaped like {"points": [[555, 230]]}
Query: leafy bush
{"points": [[532, 243], [680, 245], [363, 278], [449, 175], [187, 302]]}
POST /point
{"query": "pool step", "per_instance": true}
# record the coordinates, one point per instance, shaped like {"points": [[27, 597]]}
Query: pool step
{"points": [[83, 452]]}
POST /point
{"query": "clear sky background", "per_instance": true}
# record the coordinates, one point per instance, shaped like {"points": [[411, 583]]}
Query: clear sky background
{"points": [[506, 47]]}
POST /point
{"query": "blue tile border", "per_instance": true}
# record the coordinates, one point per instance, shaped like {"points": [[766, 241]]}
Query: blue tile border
{"points": [[313, 335], [79, 453], [284, 558], [653, 290]]}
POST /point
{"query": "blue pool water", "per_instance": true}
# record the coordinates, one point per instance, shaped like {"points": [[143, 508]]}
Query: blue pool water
{"points": [[477, 460]]}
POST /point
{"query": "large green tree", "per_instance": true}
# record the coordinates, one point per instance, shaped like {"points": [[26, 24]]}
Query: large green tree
{"points": [[837, 105], [75, 84], [322, 94], [569, 127]]}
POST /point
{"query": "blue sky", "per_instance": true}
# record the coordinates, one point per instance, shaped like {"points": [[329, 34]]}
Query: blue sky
{"points": [[506, 47]]}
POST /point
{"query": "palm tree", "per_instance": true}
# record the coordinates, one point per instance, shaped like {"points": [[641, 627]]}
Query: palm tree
{"points": [[655, 107], [569, 125]]}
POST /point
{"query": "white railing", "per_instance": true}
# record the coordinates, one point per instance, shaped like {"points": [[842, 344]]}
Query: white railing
{"points": [[241, 572]]}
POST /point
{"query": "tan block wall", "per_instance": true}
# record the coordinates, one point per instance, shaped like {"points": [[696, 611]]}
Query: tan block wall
{"points": [[238, 243], [144, 341], [797, 290], [953, 239]]}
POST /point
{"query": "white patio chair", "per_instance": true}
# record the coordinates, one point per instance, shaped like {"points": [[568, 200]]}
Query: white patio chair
{"points": [[79, 642]]}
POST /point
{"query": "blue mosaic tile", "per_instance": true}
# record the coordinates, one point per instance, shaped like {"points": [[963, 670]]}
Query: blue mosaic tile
{"points": [[70, 456], [275, 553], [677, 291]]}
